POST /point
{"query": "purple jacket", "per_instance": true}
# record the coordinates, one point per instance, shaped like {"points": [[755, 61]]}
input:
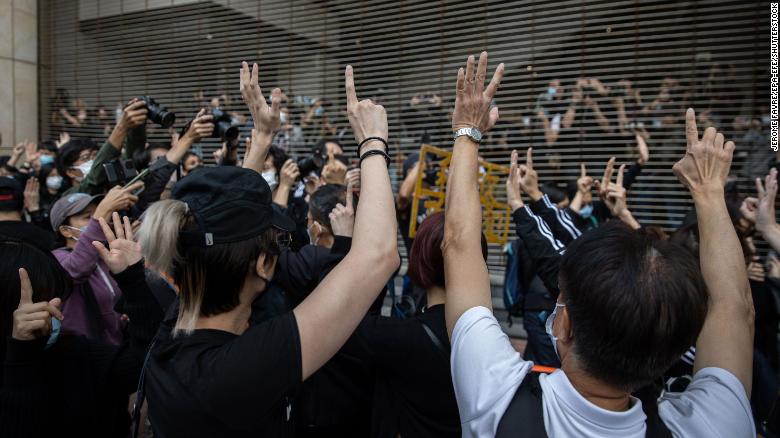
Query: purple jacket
{"points": [[84, 265]]}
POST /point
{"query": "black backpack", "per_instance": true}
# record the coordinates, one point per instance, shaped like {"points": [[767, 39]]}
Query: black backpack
{"points": [[524, 417]]}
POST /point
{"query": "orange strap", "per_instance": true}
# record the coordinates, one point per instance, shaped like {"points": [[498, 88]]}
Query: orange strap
{"points": [[543, 369]]}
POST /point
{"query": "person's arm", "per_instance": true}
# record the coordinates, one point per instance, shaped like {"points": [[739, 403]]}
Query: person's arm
{"points": [[465, 271], [265, 118], [601, 119], [200, 127], [726, 339], [406, 191], [765, 218], [330, 314], [287, 178], [95, 182], [584, 186]]}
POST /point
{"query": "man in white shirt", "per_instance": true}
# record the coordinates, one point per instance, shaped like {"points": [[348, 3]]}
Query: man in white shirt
{"points": [[629, 306]]}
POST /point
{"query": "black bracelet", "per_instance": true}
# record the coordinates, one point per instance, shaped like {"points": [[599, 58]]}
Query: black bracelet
{"points": [[374, 152], [367, 139]]}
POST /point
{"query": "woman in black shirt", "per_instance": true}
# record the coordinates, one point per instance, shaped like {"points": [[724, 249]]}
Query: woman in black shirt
{"points": [[209, 372]]}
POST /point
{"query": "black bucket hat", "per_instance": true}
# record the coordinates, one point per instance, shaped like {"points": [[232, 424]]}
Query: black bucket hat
{"points": [[230, 204]]}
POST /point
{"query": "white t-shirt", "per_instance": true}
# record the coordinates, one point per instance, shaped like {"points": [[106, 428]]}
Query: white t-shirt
{"points": [[486, 372]]}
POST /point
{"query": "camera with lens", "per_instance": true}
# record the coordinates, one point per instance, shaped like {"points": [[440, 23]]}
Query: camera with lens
{"points": [[315, 161], [119, 172], [223, 126], [158, 113]]}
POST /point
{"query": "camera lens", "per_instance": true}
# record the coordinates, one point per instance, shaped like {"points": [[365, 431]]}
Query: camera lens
{"points": [[223, 126], [167, 119], [158, 113]]}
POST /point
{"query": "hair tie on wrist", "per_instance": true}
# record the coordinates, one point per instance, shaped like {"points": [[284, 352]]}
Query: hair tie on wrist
{"points": [[367, 139], [374, 152]]}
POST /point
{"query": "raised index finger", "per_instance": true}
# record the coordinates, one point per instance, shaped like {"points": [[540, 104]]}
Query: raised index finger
{"points": [[607, 177], [691, 131], [620, 175], [26, 288], [349, 84], [583, 172], [529, 158]]}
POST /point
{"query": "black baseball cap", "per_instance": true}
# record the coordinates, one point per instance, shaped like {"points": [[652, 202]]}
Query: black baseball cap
{"points": [[230, 204]]}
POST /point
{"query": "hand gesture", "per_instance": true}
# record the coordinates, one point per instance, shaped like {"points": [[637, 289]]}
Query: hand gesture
{"points": [[774, 266], [33, 320], [705, 166], [513, 184], [200, 127], [755, 270], [64, 138], [117, 199], [749, 209], [31, 151], [366, 118], [603, 185], [289, 174], [529, 179], [266, 118], [123, 252], [765, 218], [353, 180], [134, 115], [472, 99], [615, 195], [342, 219], [32, 195], [18, 150], [584, 182], [334, 171]]}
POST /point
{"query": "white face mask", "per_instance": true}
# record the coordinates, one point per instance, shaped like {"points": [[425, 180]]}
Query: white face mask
{"points": [[54, 182], [548, 327], [84, 168], [80, 230], [270, 178]]}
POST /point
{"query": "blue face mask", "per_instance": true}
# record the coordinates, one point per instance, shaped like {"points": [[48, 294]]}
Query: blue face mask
{"points": [[586, 211], [551, 91], [56, 325], [548, 327], [46, 160]]}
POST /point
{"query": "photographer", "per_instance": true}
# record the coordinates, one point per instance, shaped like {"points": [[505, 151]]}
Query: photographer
{"points": [[88, 176]]}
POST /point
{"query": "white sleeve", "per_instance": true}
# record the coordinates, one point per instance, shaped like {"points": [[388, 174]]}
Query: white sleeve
{"points": [[486, 371], [714, 405]]}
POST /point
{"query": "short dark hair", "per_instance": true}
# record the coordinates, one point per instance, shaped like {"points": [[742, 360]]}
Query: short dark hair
{"points": [[635, 302], [278, 156], [47, 277], [142, 158], [426, 263], [324, 200], [552, 191], [69, 154]]}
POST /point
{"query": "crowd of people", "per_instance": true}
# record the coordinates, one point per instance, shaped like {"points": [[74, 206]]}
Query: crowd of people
{"points": [[145, 293]]}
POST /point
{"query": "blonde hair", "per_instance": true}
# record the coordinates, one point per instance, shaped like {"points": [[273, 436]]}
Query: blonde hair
{"points": [[158, 236]]}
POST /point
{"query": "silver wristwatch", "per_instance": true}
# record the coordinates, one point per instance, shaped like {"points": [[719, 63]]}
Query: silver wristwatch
{"points": [[472, 133]]}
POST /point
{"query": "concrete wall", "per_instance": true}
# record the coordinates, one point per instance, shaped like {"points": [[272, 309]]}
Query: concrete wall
{"points": [[18, 72]]}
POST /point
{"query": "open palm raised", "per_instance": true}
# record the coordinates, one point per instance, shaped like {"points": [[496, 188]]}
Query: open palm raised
{"points": [[122, 251]]}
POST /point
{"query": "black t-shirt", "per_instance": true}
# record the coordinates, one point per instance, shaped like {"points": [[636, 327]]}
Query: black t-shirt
{"points": [[214, 383], [413, 394], [27, 232]]}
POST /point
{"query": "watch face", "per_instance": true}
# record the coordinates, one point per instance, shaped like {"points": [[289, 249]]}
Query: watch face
{"points": [[475, 134]]}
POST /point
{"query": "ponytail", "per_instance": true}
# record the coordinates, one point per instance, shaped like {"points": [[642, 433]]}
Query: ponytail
{"points": [[159, 233]]}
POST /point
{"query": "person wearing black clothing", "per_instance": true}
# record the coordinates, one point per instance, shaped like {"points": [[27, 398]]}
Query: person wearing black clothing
{"points": [[12, 224], [210, 373], [54, 382], [413, 395]]}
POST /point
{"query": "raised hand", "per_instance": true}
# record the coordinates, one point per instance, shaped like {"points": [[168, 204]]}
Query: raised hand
{"points": [[342, 218], [31, 151], [133, 115], [266, 118], [334, 171], [603, 184], [32, 195], [289, 174], [755, 270], [366, 118], [705, 166], [117, 199], [513, 197], [123, 251], [584, 182], [644, 151], [64, 138], [472, 99], [200, 127], [353, 180], [615, 195], [765, 217], [749, 209], [33, 320]]}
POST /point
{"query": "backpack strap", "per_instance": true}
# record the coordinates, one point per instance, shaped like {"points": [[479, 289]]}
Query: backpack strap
{"points": [[444, 351], [524, 415]]}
